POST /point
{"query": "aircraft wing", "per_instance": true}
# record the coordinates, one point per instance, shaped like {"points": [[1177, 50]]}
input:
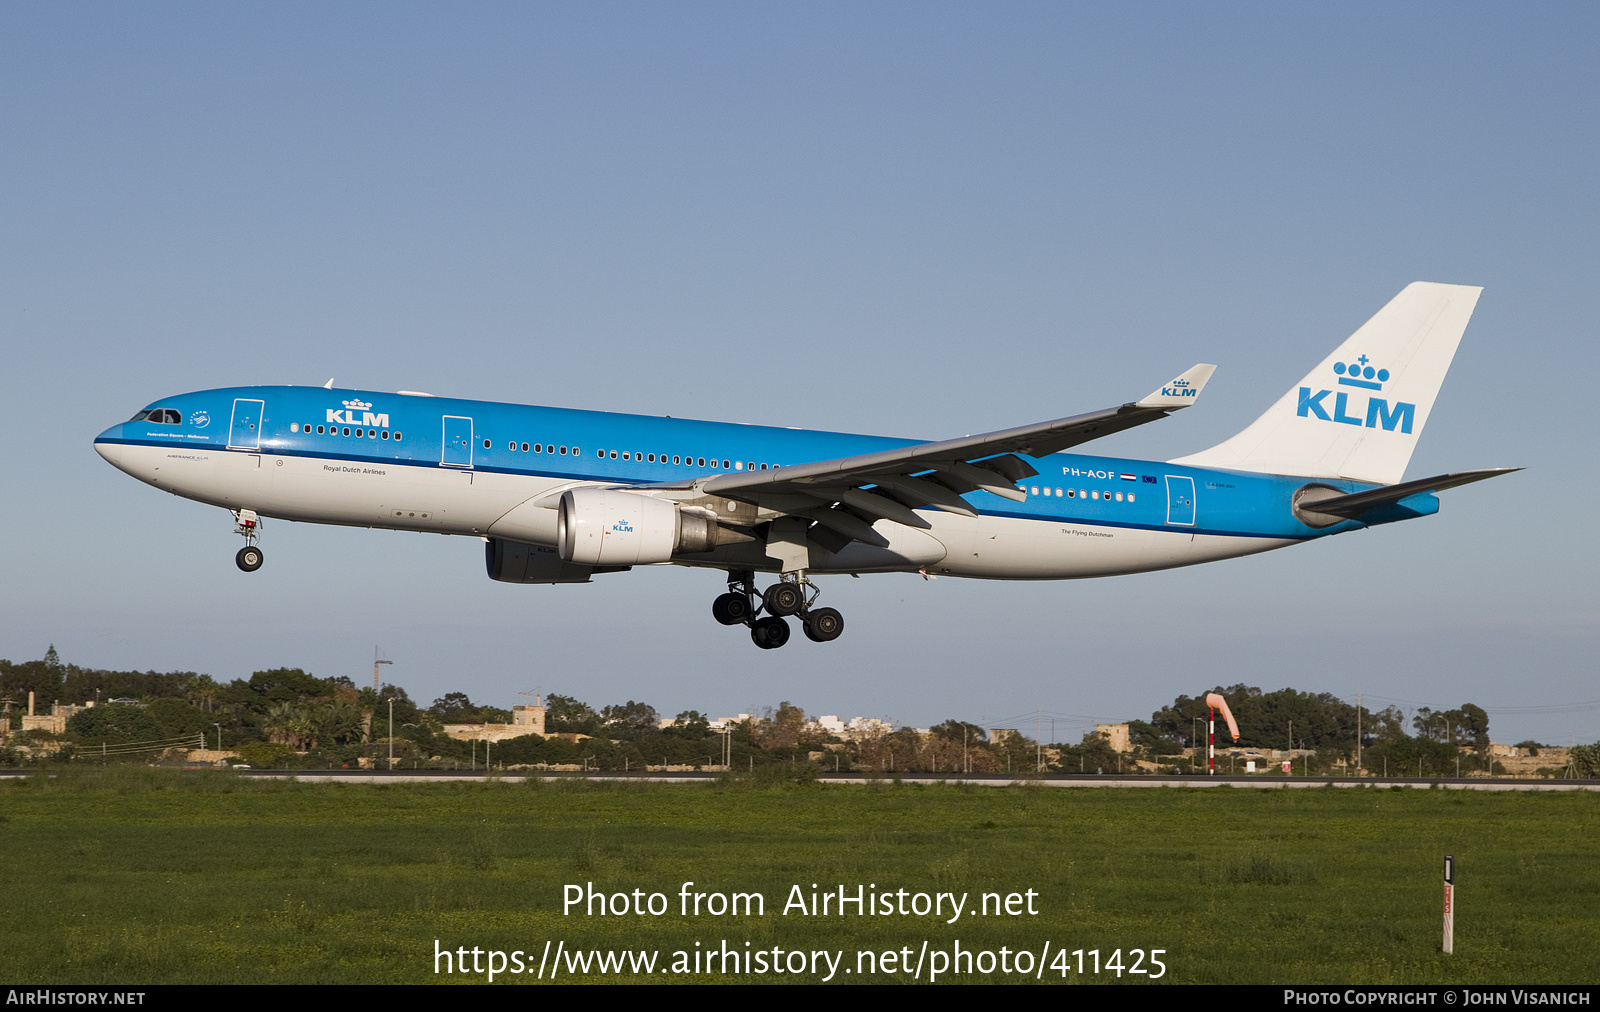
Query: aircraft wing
{"points": [[848, 494]]}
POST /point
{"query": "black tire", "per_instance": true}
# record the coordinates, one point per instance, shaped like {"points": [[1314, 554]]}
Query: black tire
{"points": [[784, 599], [731, 609], [770, 633], [823, 625], [249, 558]]}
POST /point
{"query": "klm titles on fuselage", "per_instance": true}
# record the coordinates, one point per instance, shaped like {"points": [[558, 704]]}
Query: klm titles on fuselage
{"points": [[347, 415], [1378, 413]]}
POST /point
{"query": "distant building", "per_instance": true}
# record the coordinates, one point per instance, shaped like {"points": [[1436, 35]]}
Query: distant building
{"points": [[56, 721], [524, 720], [1117, 735]]}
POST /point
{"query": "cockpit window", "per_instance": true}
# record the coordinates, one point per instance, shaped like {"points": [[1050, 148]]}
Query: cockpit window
{"points": [[159, 416]]}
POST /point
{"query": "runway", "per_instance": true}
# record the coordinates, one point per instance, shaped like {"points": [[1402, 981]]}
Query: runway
{"points": [[974, 779]]}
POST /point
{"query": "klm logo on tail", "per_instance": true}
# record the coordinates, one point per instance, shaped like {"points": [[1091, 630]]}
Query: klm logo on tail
{"points": [[1180, 388], [1378, 412]]}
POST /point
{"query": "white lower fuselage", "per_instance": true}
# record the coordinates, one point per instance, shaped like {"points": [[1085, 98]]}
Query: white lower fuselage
{"points": [[522, 508]]}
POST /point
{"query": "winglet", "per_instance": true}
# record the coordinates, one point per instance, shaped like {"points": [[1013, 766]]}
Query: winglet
{"points": [[1179, 392]]}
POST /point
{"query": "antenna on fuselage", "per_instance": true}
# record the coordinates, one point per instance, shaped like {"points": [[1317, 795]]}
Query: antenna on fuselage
{"points": [[328, 385]]}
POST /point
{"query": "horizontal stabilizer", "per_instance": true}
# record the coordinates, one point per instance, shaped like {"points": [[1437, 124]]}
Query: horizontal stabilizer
{"points": [[1357, 503]]}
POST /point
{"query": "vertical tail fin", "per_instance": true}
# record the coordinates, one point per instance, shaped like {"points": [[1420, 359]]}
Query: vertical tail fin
{"points": [[1359, 413]]}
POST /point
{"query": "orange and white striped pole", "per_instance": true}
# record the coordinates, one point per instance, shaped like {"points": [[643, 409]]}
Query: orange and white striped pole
{"points": [[1215, 702]]}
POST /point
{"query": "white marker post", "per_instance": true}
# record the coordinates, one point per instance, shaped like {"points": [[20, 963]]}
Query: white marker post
{"points": [[1449, 904]]}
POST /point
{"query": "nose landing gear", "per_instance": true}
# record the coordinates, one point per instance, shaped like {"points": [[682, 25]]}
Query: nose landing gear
{"points": [[246, 523], [764, 613]]}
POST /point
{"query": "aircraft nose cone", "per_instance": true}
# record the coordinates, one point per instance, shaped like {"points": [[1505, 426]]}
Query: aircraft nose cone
{"points": [[111, 451]]}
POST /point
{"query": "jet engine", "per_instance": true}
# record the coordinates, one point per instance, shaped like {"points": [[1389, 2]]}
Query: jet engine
{"points": [[513, 562], [609, 527]]}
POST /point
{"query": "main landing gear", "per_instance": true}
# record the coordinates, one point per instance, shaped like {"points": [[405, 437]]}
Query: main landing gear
{"points": [[246, 523], [764, 613]]}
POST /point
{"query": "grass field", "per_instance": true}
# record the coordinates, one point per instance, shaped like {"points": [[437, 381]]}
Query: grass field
{"points": [[146, 876]]}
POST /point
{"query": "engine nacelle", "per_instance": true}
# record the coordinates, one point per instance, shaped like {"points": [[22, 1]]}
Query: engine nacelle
{"points": [[512, 562], [609, 527]]}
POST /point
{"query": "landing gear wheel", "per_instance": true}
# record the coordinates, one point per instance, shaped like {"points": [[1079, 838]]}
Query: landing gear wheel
{"points": [[823, 625], [770, 633], [784, 598], [249, 558], [731, 609]]}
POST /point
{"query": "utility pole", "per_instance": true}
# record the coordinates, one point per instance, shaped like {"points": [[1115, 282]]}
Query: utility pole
{"points": [[376, 686], [1358, 734]]}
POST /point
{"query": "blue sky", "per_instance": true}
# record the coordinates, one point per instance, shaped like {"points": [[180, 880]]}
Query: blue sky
{"points": [[911, 219]]}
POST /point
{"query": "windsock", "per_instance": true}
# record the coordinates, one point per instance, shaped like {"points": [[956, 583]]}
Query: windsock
{"points": [[1217, 702]]}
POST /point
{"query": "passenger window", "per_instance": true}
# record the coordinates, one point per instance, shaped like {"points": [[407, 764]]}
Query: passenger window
{"points": [[319, 430], [397, 437], [485, 444], [358, 433], [294, 426], [347, 432], [563, 450], [524, 447], [385, 433]]}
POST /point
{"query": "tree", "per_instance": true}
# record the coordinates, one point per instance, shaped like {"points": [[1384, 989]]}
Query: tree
{"points": [[453, 706], [1466, 725], [629, 720], [960, 731], [1320, 719], [114, 724], [566, 714], [690, 725], [1586, 760]]}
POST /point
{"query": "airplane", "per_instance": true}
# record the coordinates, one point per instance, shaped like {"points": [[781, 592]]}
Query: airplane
{"points": [[560, 495]]}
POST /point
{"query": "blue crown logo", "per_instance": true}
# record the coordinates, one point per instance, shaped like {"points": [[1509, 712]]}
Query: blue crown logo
{"points": [[1360, 374]]}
